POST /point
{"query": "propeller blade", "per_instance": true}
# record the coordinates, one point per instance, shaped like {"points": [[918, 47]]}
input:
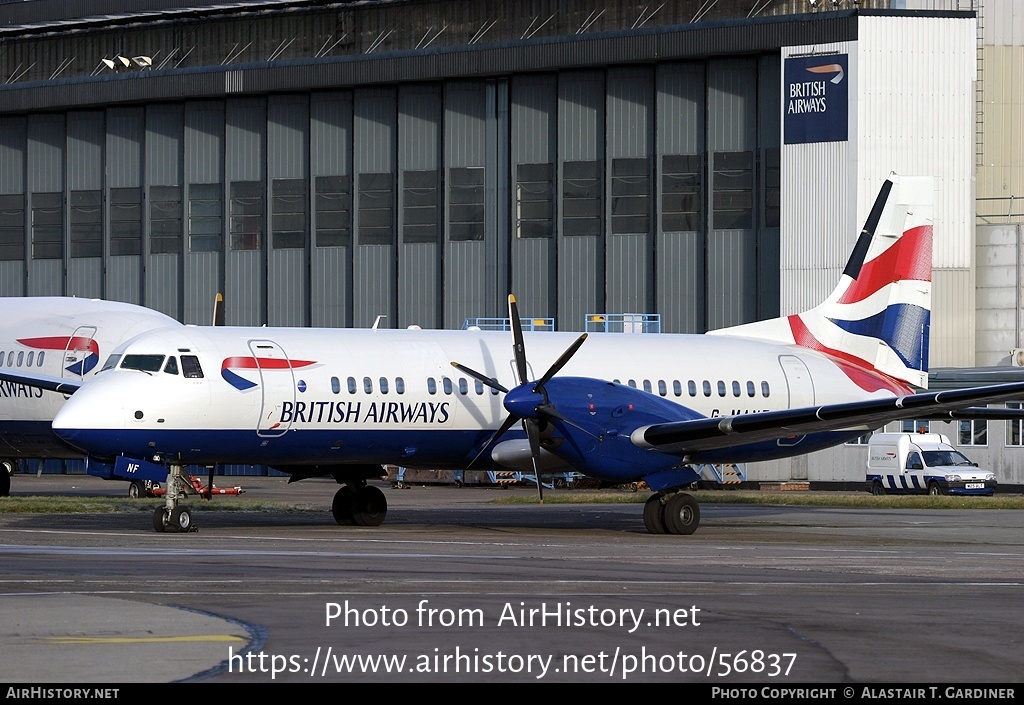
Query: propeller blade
{"points": [[533, 433], [550, 410], [489, 381], [560, 362], [505, 425], [518, 347]]}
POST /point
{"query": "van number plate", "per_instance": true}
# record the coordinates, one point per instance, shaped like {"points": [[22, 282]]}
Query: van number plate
{"points": [[975, 485]]}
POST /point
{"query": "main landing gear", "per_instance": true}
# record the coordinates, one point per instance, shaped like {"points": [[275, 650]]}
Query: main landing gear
{"points": [[171, 517], [359, 504], [671, 513]]}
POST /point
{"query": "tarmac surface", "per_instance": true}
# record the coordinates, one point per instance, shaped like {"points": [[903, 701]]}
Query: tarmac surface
{"points": [[456, 588]]}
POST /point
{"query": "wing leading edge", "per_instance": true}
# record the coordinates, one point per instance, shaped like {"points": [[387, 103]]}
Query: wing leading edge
{"points": [[53, 384], [696, 435]]}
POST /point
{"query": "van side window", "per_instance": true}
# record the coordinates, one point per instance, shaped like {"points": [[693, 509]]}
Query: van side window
{"points": [[914, 462]]}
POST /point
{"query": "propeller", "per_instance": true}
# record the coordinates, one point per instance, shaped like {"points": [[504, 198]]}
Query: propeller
{"points": [[528, 403]]}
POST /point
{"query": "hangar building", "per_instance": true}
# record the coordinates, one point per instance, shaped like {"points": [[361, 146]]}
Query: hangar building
{"points": [[328, 163]]}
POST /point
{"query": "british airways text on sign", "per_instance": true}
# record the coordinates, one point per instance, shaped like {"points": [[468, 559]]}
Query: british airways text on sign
{"points": [[378, 412], [815, 103]]}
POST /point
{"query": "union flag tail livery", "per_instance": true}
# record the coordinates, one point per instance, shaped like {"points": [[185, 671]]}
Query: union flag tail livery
{"points": [[877, 318]]}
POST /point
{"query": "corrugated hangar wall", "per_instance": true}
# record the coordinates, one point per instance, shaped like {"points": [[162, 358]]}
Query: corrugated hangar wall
{"points": [[641, 189]]}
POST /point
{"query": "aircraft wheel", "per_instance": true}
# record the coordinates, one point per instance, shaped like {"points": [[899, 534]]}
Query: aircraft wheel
{"points": [[181, 519], [654, 515], [341, 507], [682, 514], [136, 490], [877, 489], [934, 490], [6, 470], [369, 507], [160, 519]]}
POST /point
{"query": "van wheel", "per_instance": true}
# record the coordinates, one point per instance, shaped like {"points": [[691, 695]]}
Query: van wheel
{"points": [[877, 489], [934, 489]]}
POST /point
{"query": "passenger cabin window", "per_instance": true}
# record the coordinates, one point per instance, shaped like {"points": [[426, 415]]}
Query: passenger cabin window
{"points": [[39, 358], [171, 368], [145, 363], [335, 385], [662, 390], [431, 385], [21, 358], [447, 385], [399, 385], [383, 385], [463, 386], [750, 389], [31, 355], [1, 358], [647, 385], [351, 385], [721, 388], [691, 387], [190, 367], [367, 385], [707, 388], [677, 388], [765, 389], [735, 388]]}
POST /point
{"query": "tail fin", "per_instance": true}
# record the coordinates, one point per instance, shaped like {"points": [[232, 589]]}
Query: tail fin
{"points": [[878, 316]]}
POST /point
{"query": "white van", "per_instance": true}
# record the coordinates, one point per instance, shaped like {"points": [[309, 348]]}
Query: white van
{"points": [[919, 463]]}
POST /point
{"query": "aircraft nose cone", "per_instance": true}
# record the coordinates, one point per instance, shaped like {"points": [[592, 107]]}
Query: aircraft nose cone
{"points": [[522, 401]]}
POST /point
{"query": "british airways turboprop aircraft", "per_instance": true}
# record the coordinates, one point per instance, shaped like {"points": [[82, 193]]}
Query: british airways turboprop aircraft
{"points": [[64, 338], [618, 407]]}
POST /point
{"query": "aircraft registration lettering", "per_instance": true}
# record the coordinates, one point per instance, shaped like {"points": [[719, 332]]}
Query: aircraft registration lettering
{"points": [[379, 412]]}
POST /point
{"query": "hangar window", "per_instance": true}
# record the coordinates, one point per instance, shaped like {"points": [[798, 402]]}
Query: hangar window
{"points": [[190, 367], [973, 432], [1014, 427], [86, 223], [245, 211], [126, 221], [419, 206], [582, 188], [205, 217], [335, 385], [47, 225], [733, 190], [915, 426], [333, 211], [165, 235], [288, 214], [631, 196], [12, 227], [535, 200], [376, 208], [466, 203], [772, 187], [351, 385], [383, 385], [681, 184]]}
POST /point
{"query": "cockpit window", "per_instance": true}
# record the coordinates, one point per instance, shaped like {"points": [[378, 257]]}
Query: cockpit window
{"points": [[111, 362], [146, 363], [171, 367], [190, 367]]}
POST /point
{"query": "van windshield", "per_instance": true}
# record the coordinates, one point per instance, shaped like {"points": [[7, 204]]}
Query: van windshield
{"points": [[937, 458]]}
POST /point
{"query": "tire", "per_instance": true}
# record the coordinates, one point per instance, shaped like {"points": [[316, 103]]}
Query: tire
{"points": [[682, 514], [341, 507], [877, 489], [6, 470], [654, 515], [181, 519], [934, 490], [369, 507], [136, 490], [159, 514]]}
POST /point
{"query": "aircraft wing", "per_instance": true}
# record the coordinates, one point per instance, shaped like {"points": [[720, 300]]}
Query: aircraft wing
{"points": [[53, 384], [695, 435]]}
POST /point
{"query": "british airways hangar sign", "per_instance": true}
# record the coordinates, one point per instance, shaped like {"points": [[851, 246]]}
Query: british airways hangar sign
{"points": [[815, 103]]}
